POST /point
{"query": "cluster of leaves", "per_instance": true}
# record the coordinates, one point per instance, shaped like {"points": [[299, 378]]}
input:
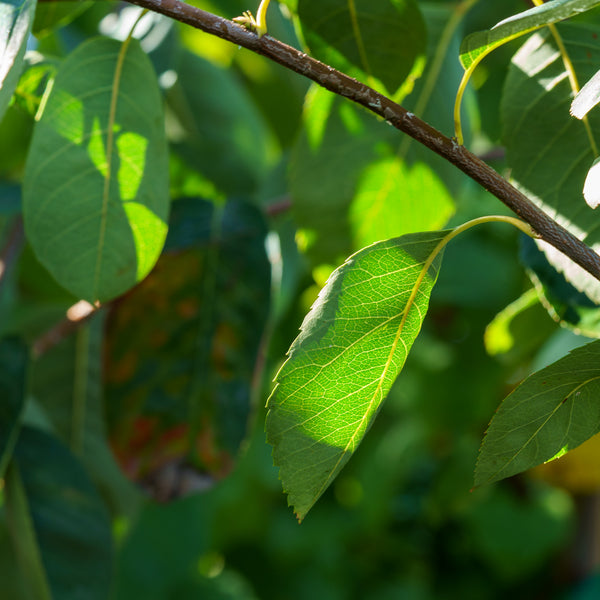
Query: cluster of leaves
{"points": [[192, 211]]}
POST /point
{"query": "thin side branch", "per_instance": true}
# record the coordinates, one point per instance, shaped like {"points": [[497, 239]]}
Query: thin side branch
{"points": [[339, 83]]}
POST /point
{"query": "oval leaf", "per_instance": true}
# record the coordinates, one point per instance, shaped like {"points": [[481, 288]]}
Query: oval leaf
{"points": [[365, 39], [352, 345], [551, 412], [95, 193], [16, 17]]}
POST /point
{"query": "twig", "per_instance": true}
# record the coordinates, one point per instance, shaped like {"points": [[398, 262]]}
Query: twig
{"points": [[339, 83]]}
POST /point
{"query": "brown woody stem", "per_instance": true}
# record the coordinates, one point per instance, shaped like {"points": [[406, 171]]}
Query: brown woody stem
{"points": [[339, 83]]}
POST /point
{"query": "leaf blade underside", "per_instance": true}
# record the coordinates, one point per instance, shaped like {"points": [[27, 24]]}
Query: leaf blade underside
{"points": [[352, 345]]}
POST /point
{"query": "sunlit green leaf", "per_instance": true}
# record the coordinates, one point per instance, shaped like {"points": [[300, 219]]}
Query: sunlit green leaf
{"points": [[13, 363], [368, 40], [95, 195], [352, 345], [551, 412], [58, 523], [477, 45], [549, 152], [16, 17], [393, 199]]}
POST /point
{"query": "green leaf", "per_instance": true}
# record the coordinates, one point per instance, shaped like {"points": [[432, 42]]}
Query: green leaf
{"points": [[95, 193], [16, 17], [59, 526], [550, 413], [549, 152], [477, 45], [369, 40], [66, 382], [221, 133], [51, 15], [180, 384], [13, 365], [587, 98], [384, 205], [352, 345]]}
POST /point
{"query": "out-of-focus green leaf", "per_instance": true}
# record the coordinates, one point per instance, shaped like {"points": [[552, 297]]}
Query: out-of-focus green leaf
{"points": [[368, 40], [550, 413], [587, 98], [393, 199], [50, 15], [519, 329], [477, 45], [352, 345], [548, 151], [58, 523], [13, 365], [220, 131], [95, 193], [66, 382], [180, 383], [16, 17]]}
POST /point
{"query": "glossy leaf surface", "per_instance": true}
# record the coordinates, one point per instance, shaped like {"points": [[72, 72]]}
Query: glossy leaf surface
{"points": [[16, 17], [352, 345], [477, 45], [95, 195], [551, 412], [368, 40], [549, 151]]}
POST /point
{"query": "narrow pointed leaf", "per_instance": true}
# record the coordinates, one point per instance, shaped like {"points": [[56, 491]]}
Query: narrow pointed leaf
{"points": [[13, 364], [352, 345], [477, 45], [95, 194], [366, 39], [16, 18], [551, 412]]}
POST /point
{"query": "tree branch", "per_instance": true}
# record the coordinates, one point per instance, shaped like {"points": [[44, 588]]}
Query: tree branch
{"points": [[339, 83]]}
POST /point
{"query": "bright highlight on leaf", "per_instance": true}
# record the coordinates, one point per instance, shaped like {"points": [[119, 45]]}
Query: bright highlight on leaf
{"points": [[16, 18], [587, 98], [478, 45], [352, 345], [551, 412], [95, 193]]}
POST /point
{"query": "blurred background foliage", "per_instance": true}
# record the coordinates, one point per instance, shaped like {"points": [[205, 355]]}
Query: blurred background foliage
{"points": [[273, 184]]}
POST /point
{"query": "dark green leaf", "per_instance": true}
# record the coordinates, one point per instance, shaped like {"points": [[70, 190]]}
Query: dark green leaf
{"points": [[13, 365], [95, 195], [55, 513], [66, 382], [370, 40], [220, 133], [352, 345], [549, 152], [16, 17], [551, 412], [51, 15], [180, 384]]}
